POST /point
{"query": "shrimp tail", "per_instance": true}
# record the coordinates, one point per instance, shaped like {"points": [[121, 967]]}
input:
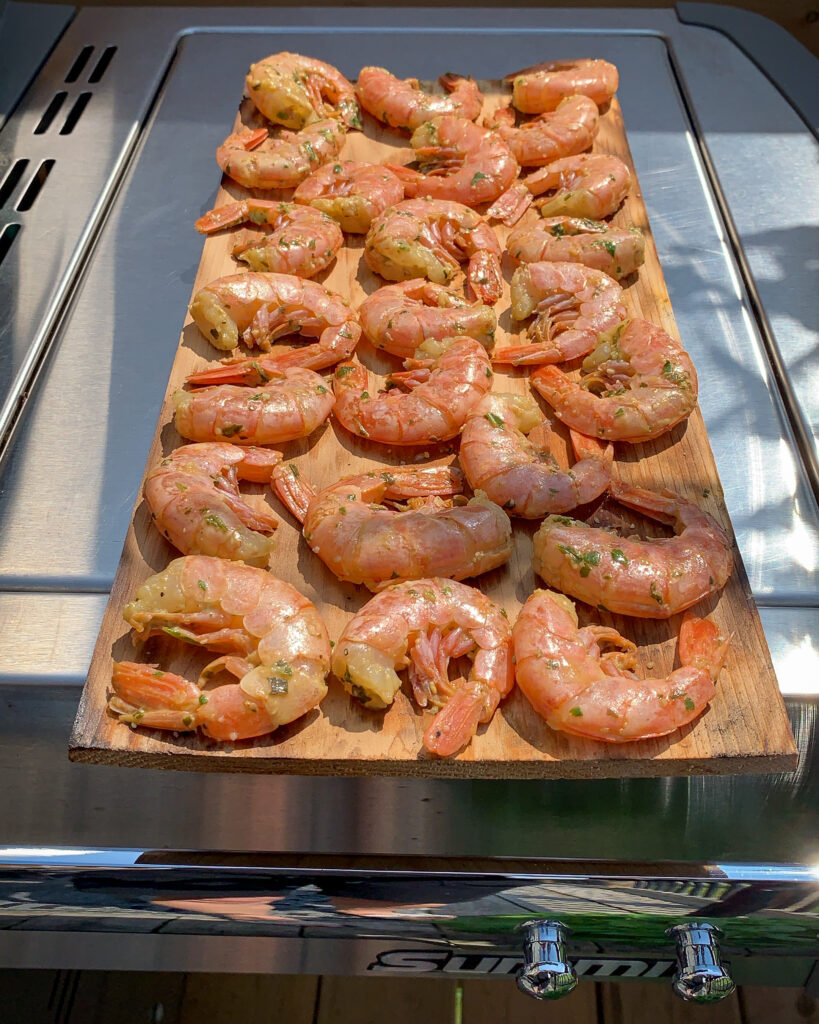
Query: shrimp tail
{"points": [[457, 722], [511, 205], [415, 483], [251, 372], [591, 448], [257, 464], [485, 277], [451, 81], [701, 645], [144, 695], [227, 216], [294, 492]]}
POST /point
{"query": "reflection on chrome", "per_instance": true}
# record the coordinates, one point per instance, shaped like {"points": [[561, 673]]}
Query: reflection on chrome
{"points": [[798, 668]]}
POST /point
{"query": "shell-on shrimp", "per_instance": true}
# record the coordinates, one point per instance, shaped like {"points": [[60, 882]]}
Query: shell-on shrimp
{"points": [[400, 317], [445, 379], [351, 193], [580, 690], [421, 626], [572, 305], [639, 383], [401, 103], [429, 238], [588, 185], [296, 91], [292, 404], [256, 158], [266, 307], [652, 579], [618, 252], [565, 131], [458, 160], [303, 241], [519, 472], [543, 86], [274, 641], [195, 503], [361, 541]]}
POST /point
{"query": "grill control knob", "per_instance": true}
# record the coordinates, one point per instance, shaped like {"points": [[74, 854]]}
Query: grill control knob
{"points": [[546, 973], [700, 976]]}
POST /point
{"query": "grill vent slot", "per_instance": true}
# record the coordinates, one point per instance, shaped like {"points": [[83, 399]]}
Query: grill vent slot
{"points": [[79, 63], [75, 113], [34, 186], [7, 236], [12, 180], [102, 65], [50, 113]]}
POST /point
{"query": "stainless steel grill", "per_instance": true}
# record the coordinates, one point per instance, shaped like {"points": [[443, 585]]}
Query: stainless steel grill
{"points": [[106, 158]]}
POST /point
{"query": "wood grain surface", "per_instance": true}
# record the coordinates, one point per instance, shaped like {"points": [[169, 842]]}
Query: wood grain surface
{"points": [[745, 729]]}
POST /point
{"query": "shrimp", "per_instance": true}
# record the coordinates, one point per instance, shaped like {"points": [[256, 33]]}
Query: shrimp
{"points": [[274, 641], [618, 252], [292, 404], [639, 383], [459, 161], [578, 690], [401, 103], [445, 380], [195, 503], [422, 625], [400, 317], [520, 472], [264, 308], [303, 241], [544, 86], [351, 193], [652, 579], [565, 131], [429, 238], [589, 185], [297, 91], [572, 303], [361, 541], [256, 159]]}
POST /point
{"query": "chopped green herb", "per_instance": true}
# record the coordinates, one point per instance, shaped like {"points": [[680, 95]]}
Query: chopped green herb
{"points": [[655, 593], [203, 585], [494, 419], [477, 176], [231, 429], [213, 520], [342, 371], [278, 684], [576, 712], [177, 634], [617, 555], [689, 704]]}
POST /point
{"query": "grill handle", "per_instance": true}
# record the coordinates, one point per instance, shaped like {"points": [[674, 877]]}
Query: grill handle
{"points": [[546, 973], [700, 976]]}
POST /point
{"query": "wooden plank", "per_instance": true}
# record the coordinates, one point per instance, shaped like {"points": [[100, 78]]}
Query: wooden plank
{"points": [[764, 1005], [745, 728], [648, 1003], [490, 1001], [249, 998], [373, 1000]]}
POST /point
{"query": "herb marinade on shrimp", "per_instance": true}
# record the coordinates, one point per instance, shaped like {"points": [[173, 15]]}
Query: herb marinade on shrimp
{"points": [[408, 532]]}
